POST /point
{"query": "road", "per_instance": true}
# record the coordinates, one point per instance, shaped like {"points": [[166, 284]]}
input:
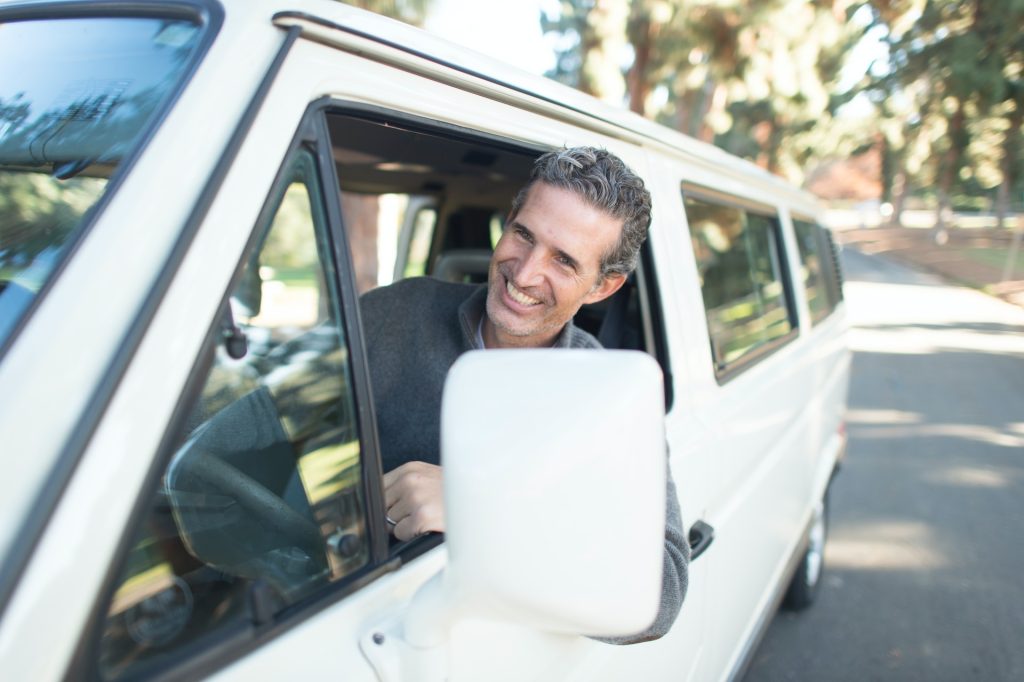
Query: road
{"points": [[925, 557]]}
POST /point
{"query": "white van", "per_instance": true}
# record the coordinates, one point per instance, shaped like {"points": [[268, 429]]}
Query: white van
{"points": [[193, 195]]}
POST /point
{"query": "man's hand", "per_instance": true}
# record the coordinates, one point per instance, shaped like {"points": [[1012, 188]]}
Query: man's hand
{"points": [[414, 500]]}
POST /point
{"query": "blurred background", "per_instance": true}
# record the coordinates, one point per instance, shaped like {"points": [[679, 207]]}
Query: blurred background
{"points": [[904, 117]]}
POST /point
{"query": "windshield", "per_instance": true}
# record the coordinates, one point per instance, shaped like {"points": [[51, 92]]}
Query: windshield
{"points": [[76, 95]]}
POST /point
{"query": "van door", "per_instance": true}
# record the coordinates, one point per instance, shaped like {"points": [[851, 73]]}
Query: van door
{"points": [[752, 389], [258, 547]]}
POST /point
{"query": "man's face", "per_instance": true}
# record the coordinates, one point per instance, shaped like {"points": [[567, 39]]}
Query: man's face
{"points": [[546, 265]]}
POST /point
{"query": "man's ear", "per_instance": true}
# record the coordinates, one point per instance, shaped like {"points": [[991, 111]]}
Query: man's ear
{"points": [[609, 285]]}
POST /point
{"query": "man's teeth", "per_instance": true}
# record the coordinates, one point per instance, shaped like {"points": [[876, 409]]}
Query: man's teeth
{"points": [[518, 296]]}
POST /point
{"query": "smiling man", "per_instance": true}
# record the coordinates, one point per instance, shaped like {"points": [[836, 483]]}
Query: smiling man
{"points": [[572, 237]]}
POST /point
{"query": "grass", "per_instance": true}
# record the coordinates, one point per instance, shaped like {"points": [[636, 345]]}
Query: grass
{"points": [[295, 277], [995, 258]]}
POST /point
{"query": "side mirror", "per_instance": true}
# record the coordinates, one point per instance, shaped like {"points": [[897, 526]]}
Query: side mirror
{"points": [[554, 475]]}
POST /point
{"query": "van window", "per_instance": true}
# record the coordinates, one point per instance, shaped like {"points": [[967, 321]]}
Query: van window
{"points": [[419, 200], [262, 502], [814, 251], [743, 282], [76, 97], [833, 266]]}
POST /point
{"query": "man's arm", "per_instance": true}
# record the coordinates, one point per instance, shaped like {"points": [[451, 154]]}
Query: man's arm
{"points": [[675, 573]]}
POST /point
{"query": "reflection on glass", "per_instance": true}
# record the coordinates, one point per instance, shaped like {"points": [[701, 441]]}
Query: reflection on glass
{"points": [[741, 278], [809, 246], [263, 496], [75, 94]]}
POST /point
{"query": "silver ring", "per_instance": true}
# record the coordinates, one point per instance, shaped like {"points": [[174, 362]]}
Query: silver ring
{"points": [[390, 520]]}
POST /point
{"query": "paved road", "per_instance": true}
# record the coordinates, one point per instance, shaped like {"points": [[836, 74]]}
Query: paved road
{"points": [[925, 576]]}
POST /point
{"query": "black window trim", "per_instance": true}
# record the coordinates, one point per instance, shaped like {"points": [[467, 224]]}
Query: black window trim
{"points": [[653, 312], [370, 466], [724, 373], [210, 15], [833, 264]]}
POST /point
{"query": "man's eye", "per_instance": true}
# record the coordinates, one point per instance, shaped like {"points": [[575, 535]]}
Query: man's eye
{"points": [[566, 261], [523, 234]]}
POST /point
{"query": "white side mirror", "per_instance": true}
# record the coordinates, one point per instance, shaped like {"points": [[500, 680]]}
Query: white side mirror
{"points": [[554, 475]]}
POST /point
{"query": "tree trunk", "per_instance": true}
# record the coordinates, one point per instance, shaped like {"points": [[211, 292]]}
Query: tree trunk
{"points": [[1011, 152], [360, 213], [690, 111], [637, 79], [950, 167], [715, 100], [900, 190]]}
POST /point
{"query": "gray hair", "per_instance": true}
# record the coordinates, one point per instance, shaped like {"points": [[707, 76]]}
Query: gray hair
{"points": [[602, 180]]}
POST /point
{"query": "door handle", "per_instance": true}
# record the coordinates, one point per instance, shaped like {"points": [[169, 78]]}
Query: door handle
{"points": [[700, 538]]}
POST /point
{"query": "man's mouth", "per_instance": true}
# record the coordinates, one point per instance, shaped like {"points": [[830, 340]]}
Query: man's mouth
{"points": [[518, 296]]}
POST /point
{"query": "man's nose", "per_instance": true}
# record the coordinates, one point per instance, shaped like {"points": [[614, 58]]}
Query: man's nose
{"points": [[530, 270]]}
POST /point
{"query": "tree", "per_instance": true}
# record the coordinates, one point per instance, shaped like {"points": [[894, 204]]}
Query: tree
{"points": [[750, 75], [410, 11], [957, 62]]}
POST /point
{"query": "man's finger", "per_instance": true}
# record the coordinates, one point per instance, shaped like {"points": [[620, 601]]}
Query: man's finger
{"points": [[405, 530], [391, 480]]}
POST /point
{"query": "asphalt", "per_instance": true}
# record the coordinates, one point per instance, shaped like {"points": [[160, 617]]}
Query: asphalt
{"points": [[925, 561]]}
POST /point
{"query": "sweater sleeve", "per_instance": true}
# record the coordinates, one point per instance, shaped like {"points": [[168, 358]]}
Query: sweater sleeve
{"points": [[676, 561]]}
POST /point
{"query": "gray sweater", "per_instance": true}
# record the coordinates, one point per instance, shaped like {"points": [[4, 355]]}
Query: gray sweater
{"points": [[414, 331]]}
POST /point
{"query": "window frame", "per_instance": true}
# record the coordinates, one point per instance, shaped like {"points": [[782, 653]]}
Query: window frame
{"points": [[726, 372], [650, 300], [220, 648]]}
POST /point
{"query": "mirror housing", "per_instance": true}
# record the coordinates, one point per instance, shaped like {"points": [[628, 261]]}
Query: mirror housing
{"points": [[554, 483]]}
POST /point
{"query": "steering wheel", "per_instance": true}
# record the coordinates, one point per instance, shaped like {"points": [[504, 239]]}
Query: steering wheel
{"points": [[266, 508]]}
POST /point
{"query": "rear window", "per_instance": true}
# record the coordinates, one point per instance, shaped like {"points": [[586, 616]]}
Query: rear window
{"points": [[816, 264], [76, 98], [743, 281]]}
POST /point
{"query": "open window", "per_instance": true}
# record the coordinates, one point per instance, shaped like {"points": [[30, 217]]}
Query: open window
{"points": [[419, 198]]}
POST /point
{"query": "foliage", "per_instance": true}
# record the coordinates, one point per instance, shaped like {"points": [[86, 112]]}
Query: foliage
{"points": [[410, 11], [765, 80]]}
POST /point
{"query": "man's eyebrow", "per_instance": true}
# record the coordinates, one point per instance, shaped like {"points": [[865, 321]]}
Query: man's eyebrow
{"points": [[569, 260], [519, 226]]}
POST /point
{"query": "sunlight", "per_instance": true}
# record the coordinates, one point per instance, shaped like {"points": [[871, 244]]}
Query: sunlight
{"points": [[867, 416], [882, 546], [970, 477], [976, 432]]}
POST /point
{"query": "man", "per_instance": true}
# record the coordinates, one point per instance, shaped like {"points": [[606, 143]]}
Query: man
{"points": [[572, 237]]}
